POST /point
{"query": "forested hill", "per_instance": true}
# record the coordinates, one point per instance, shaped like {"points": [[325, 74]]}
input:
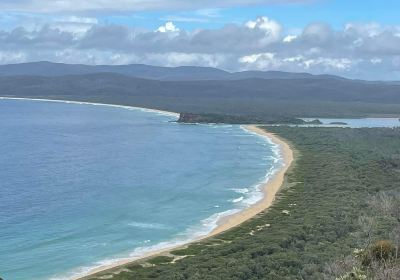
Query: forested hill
{"points": [[261, 98], [182, 73]]}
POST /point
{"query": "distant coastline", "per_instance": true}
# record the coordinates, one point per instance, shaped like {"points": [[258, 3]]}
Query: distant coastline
{"points": [[94, 103]]}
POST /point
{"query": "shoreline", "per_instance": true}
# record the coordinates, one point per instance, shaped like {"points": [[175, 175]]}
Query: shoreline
{"points": [[269, 189], [143, 109]]}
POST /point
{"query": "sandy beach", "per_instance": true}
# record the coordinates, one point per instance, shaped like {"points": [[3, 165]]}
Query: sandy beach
{"points": [[95, 104], [270, 189]]}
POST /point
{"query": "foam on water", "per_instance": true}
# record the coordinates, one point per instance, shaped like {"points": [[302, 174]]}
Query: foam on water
{"points": [[147, 225], [191, 234], [241, 191], [236, 200]]}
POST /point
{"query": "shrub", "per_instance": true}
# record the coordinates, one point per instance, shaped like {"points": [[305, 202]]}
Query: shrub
{"points": [[355, 274], [382, 250], [161, 260]]}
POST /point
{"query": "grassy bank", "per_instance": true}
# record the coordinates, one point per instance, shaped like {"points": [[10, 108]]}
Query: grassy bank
{"points": [[313, 222]]}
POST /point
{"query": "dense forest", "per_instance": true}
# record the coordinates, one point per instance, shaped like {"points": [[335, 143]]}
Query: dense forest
{"points": [[335, 218]]}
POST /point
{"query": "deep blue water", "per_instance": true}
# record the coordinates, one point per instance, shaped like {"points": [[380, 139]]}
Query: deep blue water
{"points": [[83, 185]]}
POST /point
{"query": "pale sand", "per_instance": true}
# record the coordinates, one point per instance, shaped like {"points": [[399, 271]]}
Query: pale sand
{"points": [[270, 189]]}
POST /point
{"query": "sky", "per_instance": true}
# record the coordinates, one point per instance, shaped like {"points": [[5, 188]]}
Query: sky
{"points": [[355, 39]]}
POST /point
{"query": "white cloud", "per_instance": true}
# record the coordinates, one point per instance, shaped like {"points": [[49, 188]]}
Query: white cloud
{"points": [[255, 57], [289, 38], [328, 63], [209, 13], [270, 28], [179, 18], [86, 20], [168, 27], [369, 29], [298, 58], [261, 44], [271, 61], [376, 60], [8, 57], [261, 61], [78, 26], [173, 59]]}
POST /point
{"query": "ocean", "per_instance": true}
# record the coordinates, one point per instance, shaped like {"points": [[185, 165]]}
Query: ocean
{"points": [[358, 123], [84, 185]]}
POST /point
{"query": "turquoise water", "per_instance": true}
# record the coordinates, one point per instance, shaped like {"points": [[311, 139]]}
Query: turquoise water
{"points": [[84, 185]]}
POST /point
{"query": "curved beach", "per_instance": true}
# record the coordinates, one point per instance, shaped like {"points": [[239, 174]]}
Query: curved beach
{"points": [[270, 188], [94, 103]]}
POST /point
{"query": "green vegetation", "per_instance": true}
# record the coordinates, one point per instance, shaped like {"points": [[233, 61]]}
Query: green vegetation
{"points": [[328, 196], [161, 260], [375, 258], [230, 119]]}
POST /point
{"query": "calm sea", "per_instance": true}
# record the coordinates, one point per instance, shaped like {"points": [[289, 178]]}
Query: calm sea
{"points": [[359, 123], [84, 185]]}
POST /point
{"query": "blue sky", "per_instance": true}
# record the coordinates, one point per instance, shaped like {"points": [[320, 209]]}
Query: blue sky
{"points": [[356, 39], [294, 16]]}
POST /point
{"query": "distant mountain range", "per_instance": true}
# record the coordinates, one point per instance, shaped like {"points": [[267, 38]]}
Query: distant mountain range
{"points": [[183, 73]]}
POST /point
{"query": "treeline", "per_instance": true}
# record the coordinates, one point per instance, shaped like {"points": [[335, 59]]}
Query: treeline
{"points": [[314, 222], [240, 119]]}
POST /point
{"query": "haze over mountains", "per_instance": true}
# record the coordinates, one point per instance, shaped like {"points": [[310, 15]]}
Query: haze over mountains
{"points": [[253, 94], [182, 73]]}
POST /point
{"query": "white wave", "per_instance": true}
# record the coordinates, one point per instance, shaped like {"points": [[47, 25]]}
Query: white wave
{"points": [[254, 193], [147, 225], [191, 234], [242, 191], [236, 200], [207, 225], [253, 198]]}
